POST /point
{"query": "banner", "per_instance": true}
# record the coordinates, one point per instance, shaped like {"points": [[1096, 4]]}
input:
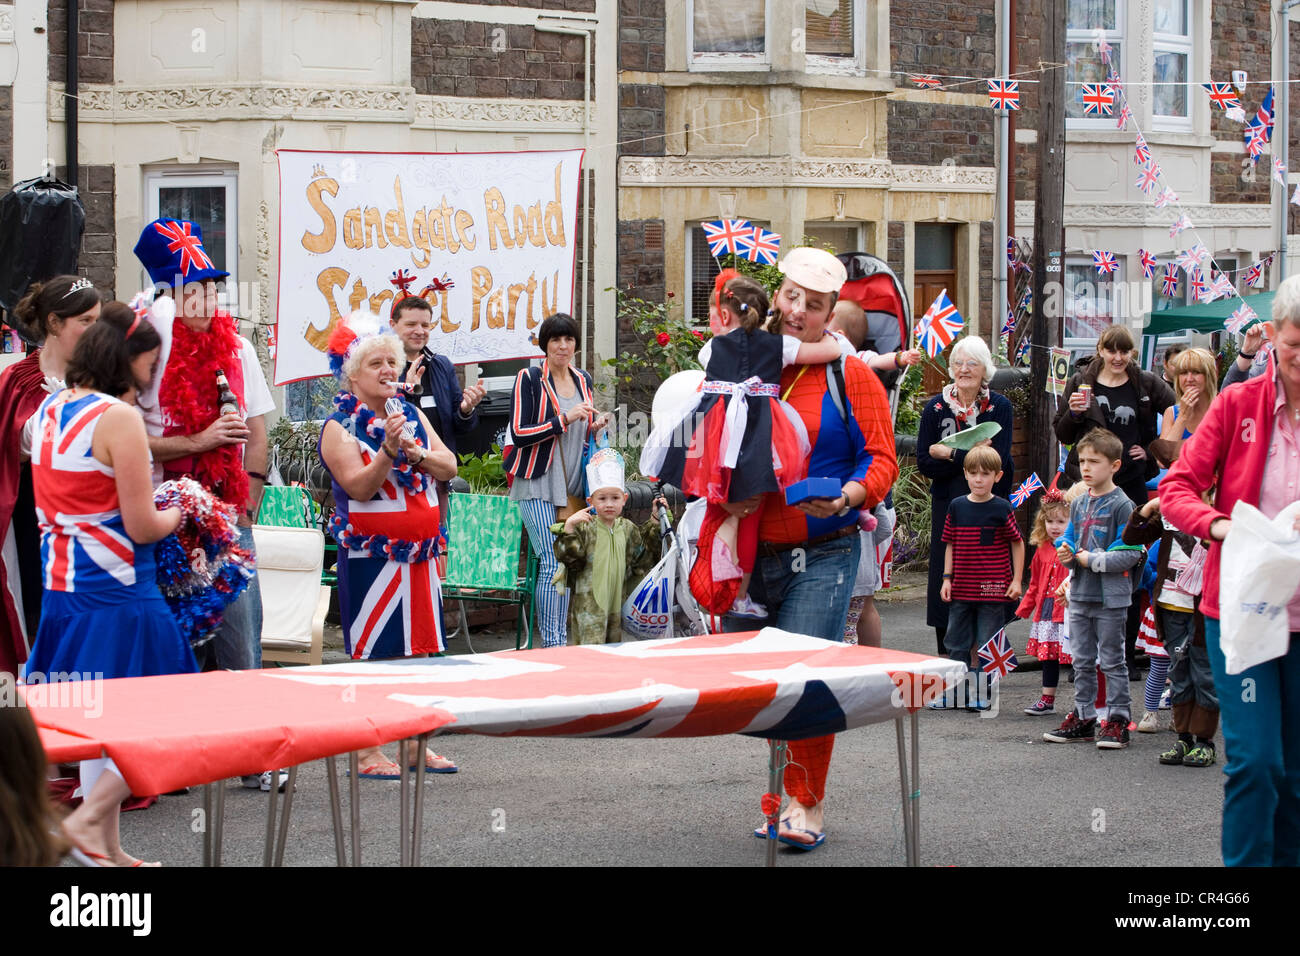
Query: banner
{"points": [[487, 238], [1058, 371]]}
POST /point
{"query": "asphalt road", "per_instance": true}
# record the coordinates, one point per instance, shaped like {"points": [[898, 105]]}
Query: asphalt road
{"points": [[992, 793]]}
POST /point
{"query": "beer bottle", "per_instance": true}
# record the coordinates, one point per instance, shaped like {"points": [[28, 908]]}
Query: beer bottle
{"points": [[226, 400]]}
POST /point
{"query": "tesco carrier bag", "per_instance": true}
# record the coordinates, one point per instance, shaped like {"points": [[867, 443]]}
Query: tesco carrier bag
{"points": [[1259, 571]]}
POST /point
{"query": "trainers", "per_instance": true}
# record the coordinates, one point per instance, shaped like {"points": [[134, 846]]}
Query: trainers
{"points": [[1149, 723], [946, 701], [748, 607], [262, 781], [1073, 729], [1044, 705], [1202, 755], [1114, 734], [1175, 754]]}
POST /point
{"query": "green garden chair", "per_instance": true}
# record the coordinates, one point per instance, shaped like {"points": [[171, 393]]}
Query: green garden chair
{"points": [[292, 506], [485, 533]]}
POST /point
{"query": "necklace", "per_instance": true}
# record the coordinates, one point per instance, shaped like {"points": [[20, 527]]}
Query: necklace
{"points": [[361, 421]]}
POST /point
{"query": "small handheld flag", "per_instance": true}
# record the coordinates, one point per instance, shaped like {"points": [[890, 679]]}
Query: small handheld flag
{"points": [[763, 246], [997, 657], [1026, 489], [939, 326], [727, 236]]}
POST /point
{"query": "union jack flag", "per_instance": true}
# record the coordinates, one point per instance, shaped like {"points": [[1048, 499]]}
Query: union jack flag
{"points": [[1148, 262], [1027, 300], [1221, 288], [1011, 251], [1103, 261], [1004, 94], [1026, 489], [1141, 152], [1197, 284], [1148, 178], [940, 325], [1125, 114], [1222, 95], [997, 657], [1098, 98], [1256, 138], [1103, 48], [401, 278], [1008, 324], [727, 236], [924, 80], [1236, 114], [84, 544], [1240, 319], [1182, 223], [1260, 129], [1192, 258], [1254, 274], [1166, 196], [763, 246], [1279, 172], [1169, 281], [1295, 196], [1022, 352], [190, 246]]}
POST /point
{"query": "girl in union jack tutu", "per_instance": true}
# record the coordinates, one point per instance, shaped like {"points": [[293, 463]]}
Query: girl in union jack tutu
{"points": [[382, 461], [1041, 605], [745, 441]]}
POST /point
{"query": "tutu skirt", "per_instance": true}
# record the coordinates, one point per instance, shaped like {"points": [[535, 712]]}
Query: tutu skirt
{"points": [[767, 465], [118, 632], [1148, 639]]}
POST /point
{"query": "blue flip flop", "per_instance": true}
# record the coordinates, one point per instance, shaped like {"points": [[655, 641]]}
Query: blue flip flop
{"points": [[818, 837], [414, 768]]}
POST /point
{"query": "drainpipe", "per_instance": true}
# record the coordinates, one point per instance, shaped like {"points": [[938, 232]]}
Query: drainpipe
{"points": [[70, 96]]}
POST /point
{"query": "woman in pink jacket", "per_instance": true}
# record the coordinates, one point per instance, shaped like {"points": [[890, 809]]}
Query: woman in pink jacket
{"points": [[1249, 443]]}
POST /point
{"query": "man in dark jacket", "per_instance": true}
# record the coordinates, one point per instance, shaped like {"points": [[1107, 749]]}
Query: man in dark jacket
{"points": [[434, 387]]}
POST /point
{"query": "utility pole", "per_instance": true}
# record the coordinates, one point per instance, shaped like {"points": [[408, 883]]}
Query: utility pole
{"points": [[1049, 238]]}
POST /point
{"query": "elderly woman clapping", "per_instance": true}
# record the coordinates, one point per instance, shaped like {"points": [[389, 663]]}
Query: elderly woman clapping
{"points": [[964, 403], [382, 464]]}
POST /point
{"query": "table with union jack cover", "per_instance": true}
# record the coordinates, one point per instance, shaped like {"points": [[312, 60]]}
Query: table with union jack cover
{"points": [[189, 729]]}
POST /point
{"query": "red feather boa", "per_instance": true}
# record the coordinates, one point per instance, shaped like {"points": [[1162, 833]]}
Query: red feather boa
{"points": [[188, 396]]}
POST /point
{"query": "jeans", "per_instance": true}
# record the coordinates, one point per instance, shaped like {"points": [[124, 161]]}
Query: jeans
{"points": [[805, 590], [552, 608], [1097, 638], [971, 624], [1260, 715], [238, 644]]}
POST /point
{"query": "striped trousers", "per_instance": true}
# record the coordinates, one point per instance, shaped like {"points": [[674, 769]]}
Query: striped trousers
{"points": [[552, 608]]}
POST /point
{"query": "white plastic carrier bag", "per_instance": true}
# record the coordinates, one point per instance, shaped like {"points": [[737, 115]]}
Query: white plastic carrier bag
{"points": [[648, 610], [1259, 572]]}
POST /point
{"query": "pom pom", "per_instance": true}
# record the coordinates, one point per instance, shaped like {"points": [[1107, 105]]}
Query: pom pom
{"points": [[771, 805]]}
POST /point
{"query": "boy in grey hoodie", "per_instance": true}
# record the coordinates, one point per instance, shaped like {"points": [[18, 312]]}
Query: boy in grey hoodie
{"points": [[1101, 589]]}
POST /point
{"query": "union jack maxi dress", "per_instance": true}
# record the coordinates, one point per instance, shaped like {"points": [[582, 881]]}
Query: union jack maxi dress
{"points": [[390, 598], [102, 614]]}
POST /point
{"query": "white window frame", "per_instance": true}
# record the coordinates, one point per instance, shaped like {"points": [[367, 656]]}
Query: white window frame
{"points": [[855, 65], [1078, 343], [1118, 35], [728, 61], [202, 178], [702, 321], [1184, 45]]}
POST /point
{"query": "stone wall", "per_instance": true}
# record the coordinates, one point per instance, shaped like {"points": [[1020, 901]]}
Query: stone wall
{"points": [[98, 261], [468, 58], [94, 40], [6, 137], [1242, 41]]}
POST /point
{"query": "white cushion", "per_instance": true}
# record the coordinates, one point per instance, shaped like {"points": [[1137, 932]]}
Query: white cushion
{"points": [[289, 564]]}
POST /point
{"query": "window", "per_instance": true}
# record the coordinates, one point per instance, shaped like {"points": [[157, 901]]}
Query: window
{"points": [[1090, 301], [207, 199], [701, 269], [1083, 61], [936, 247], [833, 36], [728, 34], [311, 399], [837, 236], [1172, 54]]}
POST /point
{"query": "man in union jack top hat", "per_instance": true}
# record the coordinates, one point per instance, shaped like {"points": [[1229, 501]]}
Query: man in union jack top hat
{"points": [[226, 453]]}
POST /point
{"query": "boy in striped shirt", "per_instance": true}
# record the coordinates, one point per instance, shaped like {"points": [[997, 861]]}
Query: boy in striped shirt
{"points": [[982, 565]]}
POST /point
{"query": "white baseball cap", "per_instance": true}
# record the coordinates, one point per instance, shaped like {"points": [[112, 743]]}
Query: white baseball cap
{"points": [[814, 269]]}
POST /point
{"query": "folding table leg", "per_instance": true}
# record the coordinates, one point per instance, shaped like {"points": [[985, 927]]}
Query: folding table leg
{"points": [[336, 810], [775, 765], [916, 790], [904, 796], [354, 806], [417, 828], [284, 817], [403, 833], [207, 824], [218, 821], [268, 847]]}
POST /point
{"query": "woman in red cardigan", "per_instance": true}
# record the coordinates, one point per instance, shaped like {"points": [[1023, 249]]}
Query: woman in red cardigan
{"points": [[1249, 443]]}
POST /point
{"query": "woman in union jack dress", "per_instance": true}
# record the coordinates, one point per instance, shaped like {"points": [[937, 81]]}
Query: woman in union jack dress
{"points": [[102, 615], [382, 464]]}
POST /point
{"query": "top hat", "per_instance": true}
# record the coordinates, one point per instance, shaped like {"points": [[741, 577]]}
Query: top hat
{"points": [[171, 250]]}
